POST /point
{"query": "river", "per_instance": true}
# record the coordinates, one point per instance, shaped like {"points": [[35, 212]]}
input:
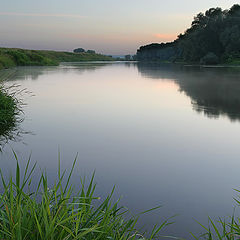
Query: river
{"points": [[162, 134]]}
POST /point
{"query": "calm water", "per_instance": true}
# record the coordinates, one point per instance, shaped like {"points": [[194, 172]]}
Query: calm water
{"points": [[164, 135]]}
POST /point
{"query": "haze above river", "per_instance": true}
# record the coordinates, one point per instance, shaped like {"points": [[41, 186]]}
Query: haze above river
{"points": [[163, 134]]}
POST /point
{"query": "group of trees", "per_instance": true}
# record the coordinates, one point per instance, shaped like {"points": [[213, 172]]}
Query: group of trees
{"points": [[129, 57], [214, 36], [81, 50]]}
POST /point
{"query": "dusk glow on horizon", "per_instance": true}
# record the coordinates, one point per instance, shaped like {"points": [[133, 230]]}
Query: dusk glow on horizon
{"points": [[107, 26]]}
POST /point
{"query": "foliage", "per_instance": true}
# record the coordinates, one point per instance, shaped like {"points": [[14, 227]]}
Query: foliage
{"points": [[11, 105], [8, 106], [19, 57], [91, 51], [128, 57], [10, 57], [216, 31], [209, 59], [58, 213], [158, 52], [223, 229], [6, 61], [79, 50]]}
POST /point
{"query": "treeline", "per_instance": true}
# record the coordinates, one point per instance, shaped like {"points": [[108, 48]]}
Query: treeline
{"points": [[10, 57], [214, 37]]}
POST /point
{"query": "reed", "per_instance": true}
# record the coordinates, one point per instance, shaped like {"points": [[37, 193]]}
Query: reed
{"points": [[59, 213], [227, 228], [8, 110]]}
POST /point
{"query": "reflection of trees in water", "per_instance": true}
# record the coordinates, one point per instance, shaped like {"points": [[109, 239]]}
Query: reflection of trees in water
{"points": [[213, 91]]}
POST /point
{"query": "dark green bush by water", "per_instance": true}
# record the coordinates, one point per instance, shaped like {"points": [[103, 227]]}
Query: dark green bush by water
{"points": [[8, 111]]}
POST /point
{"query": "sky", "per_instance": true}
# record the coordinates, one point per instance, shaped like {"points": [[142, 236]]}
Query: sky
{"points": [[107, 26]]}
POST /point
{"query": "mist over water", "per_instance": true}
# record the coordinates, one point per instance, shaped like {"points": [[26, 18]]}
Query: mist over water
{"points": [[163, 134]]}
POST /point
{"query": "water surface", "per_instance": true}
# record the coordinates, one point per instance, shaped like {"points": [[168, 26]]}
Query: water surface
{"points": [[163, 134]]}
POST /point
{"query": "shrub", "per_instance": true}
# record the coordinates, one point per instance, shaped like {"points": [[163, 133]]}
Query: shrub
{"points": [[209, 59]]}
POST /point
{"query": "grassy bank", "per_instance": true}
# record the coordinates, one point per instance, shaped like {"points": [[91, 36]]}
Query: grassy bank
{"points": [[58, 213], [10, 57]]}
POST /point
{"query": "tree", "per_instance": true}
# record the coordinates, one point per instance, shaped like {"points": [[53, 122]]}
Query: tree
{"points": [[128, 57], [91, 51], [216, 31], [79, 50], [209, 59]]}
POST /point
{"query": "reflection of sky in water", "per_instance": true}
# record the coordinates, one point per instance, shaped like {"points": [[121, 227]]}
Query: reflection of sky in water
{"points": [[133, 125]]}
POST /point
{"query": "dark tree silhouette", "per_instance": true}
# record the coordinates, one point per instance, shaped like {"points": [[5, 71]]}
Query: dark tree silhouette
{"points": [[215, 32], [78, 50]]}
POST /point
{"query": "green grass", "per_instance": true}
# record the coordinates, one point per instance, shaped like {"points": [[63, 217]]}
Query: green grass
{"points": [[223, 228], [10, 57], [59, 213], [10, 108], [8, 111], [234, 62]]}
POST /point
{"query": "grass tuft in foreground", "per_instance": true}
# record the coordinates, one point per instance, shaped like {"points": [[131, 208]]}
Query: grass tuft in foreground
{"points": [[58, 213], [223, 228]]}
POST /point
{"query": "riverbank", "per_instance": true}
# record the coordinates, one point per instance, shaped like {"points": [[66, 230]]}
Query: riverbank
{"points": [[11, 57]]}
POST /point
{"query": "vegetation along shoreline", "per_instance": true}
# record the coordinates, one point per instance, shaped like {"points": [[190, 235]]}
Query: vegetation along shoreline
{"points": [[12, 57], [213, 38]]}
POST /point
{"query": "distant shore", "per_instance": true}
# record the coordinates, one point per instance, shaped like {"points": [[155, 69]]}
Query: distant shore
{"points": [[12, 57]]}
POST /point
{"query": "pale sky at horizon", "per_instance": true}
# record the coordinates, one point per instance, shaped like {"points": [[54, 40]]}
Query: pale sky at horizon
{"points": [[107, 26]]}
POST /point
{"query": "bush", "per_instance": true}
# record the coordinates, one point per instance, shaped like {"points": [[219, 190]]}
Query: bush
{"points": [[8, 111], [91, 51], [6, 61], [209, 59], [79, 50]]}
